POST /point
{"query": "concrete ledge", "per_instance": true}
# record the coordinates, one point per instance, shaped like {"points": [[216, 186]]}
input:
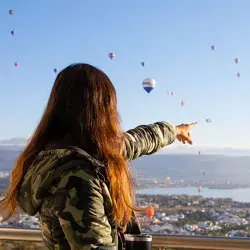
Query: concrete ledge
{"points": [[159, 240]]}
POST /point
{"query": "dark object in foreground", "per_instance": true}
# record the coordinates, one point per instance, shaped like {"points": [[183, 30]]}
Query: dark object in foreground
{"points": [[138, 241]]}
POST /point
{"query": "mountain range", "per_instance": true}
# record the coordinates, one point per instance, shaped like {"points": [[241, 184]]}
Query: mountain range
{"points": [[179, 162]]}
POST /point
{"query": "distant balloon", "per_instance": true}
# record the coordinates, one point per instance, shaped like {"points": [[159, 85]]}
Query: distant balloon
{"points": [[170, 92], [208, 120], [148, 84], [111, 56], [238, 74], [212, 47], [204, 173], [16, 64], [237, 60], [12, 32], [143, 64], [200, 153], [167, 178], [182, 103], [199, 188], [11, 12], [55, 70], [150, 211]]}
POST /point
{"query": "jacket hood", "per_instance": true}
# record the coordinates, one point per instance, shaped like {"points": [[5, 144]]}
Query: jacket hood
{"points": [[48, 168]]}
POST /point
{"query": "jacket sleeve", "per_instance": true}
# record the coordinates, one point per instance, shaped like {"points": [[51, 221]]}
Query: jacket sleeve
{"points": [[146, 140], [78, 205]]}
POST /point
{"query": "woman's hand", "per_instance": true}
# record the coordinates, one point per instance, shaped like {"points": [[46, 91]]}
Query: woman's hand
{"points": [[183, 132]]}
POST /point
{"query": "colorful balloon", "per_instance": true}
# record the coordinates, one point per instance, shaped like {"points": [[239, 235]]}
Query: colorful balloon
{"points": [[111, 56], [150, 211], [237, 60], [16, 64], [182, 103], [148, 84], [238, 74], [11, 12], [12, 32]]}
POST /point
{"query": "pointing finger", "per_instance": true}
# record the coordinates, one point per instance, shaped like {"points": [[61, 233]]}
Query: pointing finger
{"points": [[191, 125]]}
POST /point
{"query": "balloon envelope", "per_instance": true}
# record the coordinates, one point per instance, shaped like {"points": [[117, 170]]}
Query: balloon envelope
{"points": [[15, 64], [11, 12], [143, 64], [150, 211], [148, 84], [55, 70], [237, 60], [12, 32], [111, 55]]}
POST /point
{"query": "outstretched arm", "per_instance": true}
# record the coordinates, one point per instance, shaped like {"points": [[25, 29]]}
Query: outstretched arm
{"points": [[148, 139]]}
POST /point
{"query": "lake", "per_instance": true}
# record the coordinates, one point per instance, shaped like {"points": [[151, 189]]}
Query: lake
{"points": [[241, 194]]}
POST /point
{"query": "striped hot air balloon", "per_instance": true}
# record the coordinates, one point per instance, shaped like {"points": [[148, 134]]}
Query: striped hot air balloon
{"points": [[148, 84]]}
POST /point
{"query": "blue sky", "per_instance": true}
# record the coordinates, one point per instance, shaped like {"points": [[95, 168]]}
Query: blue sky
{"points": [[172, 37]]}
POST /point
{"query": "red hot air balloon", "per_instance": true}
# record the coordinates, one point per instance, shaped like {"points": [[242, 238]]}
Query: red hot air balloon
{"points": [[150, 211]]}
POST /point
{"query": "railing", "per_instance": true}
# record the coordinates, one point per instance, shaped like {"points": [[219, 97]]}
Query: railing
{"points": [[159, 240]]}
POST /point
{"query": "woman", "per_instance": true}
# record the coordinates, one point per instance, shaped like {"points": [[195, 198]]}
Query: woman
{"points": [[74, 172]]}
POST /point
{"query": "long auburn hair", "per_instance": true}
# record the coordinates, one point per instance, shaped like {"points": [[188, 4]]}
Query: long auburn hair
{"points": [[82, 107]]}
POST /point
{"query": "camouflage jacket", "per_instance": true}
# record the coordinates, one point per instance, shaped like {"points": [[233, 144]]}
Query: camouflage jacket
{"points": [[68, 188]]}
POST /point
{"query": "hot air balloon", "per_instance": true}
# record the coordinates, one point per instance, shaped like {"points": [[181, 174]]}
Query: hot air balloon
{"points": [[204, 173], [55, 70], [16, 64], [148, 84], [12, 32], [11, 12], [238, 74], [143, 64], [212, 47], [170, 92], [208, 120], [150, 211], [111, 56], [199, 188], [237, 60], [200, 153], [182, 103]]}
